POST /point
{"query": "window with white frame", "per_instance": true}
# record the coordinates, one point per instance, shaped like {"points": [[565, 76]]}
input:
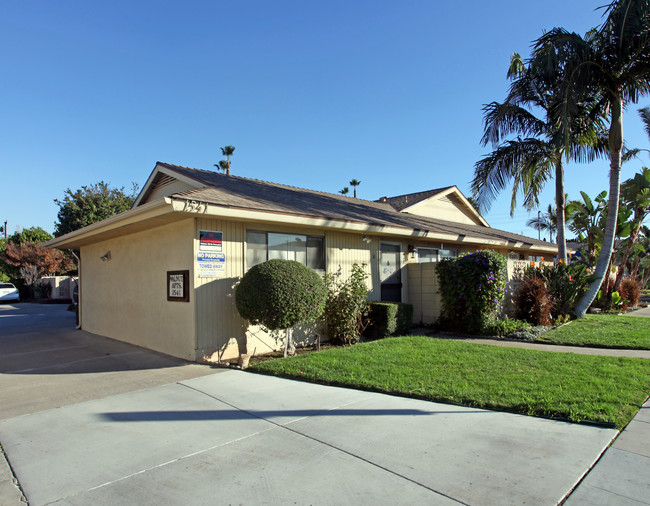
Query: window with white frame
{"points": [[306, 249]]}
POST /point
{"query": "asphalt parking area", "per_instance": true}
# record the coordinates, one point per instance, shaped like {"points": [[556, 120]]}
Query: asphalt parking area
{"points": [[45, 362]]}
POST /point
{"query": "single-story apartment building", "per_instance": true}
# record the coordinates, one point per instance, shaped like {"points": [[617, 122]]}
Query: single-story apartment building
{"points": [[162, 275]]}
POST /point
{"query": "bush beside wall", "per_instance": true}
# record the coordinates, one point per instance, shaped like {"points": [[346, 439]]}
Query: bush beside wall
{"points": [[388, 319], [472, 288]]}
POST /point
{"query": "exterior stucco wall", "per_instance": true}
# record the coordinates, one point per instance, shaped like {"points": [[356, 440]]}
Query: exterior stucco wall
{"points": [[125, 298]]}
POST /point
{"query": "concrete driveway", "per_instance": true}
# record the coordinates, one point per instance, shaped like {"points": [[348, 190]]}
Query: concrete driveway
{"points": [[236, 437], [46, 363]]}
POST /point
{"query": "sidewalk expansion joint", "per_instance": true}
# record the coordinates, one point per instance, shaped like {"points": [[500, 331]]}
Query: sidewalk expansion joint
{"points": [[325, 443], [163, 464]]}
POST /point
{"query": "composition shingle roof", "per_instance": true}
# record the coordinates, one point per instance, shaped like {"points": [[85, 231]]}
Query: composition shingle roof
{"points": [[244, 193]]}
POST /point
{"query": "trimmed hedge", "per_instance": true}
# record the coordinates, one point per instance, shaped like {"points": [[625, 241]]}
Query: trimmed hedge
{"points": [[389, 319], [280, 294]]}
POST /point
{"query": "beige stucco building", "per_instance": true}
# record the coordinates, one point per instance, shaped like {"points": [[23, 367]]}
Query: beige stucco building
{"points": [[162, 275]]}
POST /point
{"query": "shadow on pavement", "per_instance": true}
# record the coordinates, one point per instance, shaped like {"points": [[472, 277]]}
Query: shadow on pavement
{"points": [[234, 414]]}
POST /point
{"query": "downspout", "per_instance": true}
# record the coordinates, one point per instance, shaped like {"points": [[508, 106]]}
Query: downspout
{"points": [[78, 259]]}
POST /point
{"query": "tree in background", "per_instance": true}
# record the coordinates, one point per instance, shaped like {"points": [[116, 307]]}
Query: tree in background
{"points": [[91, 204], [640, 258], [611, 64], [545, 222], [344, 191], [227, 151], [33, 261], [27, 235], [222, 165], [635, 196], [354, 183], [586, 218], [33, 234]]}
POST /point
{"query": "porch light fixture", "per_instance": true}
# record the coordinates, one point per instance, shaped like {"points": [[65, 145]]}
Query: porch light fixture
{"points": [[366, 239], [106, 256]]}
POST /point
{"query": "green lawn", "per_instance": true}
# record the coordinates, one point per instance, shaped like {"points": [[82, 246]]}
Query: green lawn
{"points": [[606, 390], [607, 331]]}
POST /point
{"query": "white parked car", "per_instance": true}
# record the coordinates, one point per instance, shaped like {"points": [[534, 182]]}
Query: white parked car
{"points": [[8, 293]]}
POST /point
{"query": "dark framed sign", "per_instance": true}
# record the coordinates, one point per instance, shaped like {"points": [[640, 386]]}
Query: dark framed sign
{"points": [[178, 286], [210, 240]]}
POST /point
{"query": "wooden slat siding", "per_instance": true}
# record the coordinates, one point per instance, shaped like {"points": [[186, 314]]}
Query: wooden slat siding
{"points": [[343, 250], [218, 324], [424, 292]]}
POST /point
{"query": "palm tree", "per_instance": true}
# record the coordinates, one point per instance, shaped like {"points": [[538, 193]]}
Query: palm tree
{"points": [[530, 161], [545, 222], [610, 63], [344, 191], [227, 151], [222, 165], [586, 218], [640, 258], [354, 183], [635, 195]]}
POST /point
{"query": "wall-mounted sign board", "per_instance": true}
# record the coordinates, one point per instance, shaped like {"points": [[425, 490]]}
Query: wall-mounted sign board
{"points": [[178, 286], [209, 240], [211, 265]]}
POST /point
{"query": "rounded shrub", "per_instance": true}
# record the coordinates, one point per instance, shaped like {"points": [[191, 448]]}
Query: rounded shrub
{"points": [[280, 294], [472, 287], [534, 302]]}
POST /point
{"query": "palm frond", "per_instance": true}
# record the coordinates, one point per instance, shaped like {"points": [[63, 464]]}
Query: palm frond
{"points": [[527, 163], [503, 119], [645, 118]]}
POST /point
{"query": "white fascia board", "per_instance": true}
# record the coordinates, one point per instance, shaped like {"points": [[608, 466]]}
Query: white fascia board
{"points": [[146, 211]]}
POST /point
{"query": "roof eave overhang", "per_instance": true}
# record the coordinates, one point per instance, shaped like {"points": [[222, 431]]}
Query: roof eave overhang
{"points": [[170, 209], [162, 168], [129, 221], [181, 205]]}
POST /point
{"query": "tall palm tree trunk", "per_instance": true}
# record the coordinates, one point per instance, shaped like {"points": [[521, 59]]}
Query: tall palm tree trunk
{"points": [[560, 203], [615, 149]]}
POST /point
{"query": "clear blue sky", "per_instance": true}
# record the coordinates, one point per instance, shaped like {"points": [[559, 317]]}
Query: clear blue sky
{"points": [[312, 94]]}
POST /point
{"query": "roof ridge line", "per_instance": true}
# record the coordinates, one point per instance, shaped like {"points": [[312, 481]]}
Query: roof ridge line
{"points": [[212, 172]]}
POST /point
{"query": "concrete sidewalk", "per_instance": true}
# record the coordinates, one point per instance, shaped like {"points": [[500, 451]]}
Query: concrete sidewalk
{"points": [[622, 475], [238, 437]]}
